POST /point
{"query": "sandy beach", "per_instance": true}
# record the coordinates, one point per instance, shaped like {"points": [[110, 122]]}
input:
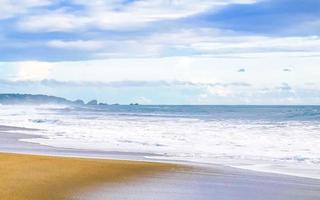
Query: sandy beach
{"points": [[27, 175], [160, 100], [53, 178]]}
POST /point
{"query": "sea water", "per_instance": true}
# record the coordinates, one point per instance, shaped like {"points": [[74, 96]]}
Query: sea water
{"points": [[282, 139]]}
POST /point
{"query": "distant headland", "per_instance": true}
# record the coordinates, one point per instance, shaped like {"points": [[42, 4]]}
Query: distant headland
{"points": [[14, 99]]}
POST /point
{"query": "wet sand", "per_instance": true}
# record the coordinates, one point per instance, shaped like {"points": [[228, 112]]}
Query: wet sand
{"points": [[53, 178], [11, 140], [217, 183], [201, 182]]}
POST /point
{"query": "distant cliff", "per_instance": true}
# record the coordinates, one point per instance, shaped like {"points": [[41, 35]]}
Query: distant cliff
{"points": [[8, 99], [38, 99]]}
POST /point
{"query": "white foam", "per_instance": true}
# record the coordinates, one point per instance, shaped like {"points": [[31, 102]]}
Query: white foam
{"points": [[297, 169], [234, 142]]}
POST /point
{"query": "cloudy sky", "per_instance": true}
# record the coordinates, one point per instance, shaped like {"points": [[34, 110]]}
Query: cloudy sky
{"points": [[163, 51]]}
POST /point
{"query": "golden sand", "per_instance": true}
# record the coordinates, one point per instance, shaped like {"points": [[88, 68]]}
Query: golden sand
{"points": [[30, 177]]}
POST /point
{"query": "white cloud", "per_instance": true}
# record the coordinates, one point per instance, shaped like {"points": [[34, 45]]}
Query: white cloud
{"points": [[260, 72], [257, 44], [205, 42], [53, 21], [11, 8], [209, 41], [214, 43], [219, 91], [114, 14], [77, 44], [33, 70]]}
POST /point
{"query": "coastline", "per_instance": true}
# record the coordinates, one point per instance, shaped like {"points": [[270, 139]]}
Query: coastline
{"points": [[58, 178], [197, 182], [64, 132]]}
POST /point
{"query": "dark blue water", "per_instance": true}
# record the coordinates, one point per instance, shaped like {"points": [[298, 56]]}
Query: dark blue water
{"points": [[205, 112]]}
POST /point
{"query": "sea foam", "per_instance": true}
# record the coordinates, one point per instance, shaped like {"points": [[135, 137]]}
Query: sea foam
{"points": [[237, 136]]}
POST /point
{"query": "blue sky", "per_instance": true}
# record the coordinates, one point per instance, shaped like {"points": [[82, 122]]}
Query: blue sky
{"points": [[163, 51]]}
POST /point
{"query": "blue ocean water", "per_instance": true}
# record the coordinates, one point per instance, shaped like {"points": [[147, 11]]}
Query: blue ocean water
{"points": [[212, 112]]}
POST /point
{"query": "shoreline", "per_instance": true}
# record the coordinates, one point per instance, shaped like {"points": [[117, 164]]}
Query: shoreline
{"points": [[10, 135], [63, 178], [194, 181]]}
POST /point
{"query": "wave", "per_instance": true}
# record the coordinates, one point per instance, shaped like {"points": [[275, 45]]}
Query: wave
{"points": [[216, 134], [49, 121]]}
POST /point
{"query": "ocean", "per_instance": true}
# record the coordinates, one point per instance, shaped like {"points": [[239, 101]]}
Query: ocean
{"points": [[281, 139]]}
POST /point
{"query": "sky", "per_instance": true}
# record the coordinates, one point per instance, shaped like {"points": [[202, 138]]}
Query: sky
{"points": [[163, 51]]}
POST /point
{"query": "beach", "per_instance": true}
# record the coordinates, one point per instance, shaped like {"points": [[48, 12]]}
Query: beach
{"points": [[28, 174], [160, 100], [88, 175], [53, 178]]}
